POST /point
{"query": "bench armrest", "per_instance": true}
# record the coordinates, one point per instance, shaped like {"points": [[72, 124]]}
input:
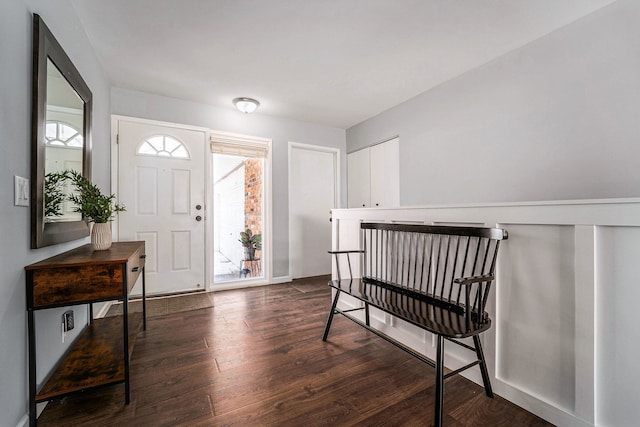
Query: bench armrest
{"points": [[482, 294], [465, 281]]}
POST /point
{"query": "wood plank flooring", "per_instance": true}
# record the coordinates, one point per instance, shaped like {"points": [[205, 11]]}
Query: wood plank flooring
{"points": [[256, 358]]}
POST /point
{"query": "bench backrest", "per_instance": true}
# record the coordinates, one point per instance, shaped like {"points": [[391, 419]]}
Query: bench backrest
{"points": [[426, 260]]}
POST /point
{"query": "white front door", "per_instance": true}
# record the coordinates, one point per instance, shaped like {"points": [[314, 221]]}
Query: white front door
{"points": [[161, 182], [313, 193]]}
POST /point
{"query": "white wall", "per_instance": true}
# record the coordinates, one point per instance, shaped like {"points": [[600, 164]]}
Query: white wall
{"points": [[15, 128], [555, 119], [281, 131]]}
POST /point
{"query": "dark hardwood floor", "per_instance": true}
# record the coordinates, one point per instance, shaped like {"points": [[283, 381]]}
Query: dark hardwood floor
{"points": [[257, 359]]}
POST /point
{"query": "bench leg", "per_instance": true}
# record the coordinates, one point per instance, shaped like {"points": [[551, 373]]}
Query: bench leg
{"points": [[483, 367], [366, 314], [439, 382], [331, 313]]}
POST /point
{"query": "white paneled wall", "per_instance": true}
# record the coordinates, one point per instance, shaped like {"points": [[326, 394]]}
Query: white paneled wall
{"points": [[565, 339]]}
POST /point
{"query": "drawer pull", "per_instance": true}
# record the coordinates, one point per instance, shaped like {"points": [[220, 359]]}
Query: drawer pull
{"points": [[134, 269], [143, 256]]}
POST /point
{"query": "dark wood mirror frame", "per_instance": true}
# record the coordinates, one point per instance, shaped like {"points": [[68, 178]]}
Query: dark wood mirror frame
{"points": [[46, 47]]}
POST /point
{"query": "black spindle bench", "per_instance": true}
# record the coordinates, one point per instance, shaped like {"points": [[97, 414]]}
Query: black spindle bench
{"points": [[437, 278]]}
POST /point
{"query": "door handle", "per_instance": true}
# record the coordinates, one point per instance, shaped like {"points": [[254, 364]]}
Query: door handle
{"points": [[198, 218], [198, 207]]}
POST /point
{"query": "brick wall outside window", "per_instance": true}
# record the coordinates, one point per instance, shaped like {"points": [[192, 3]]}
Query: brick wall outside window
{"points": [[253, 195]]}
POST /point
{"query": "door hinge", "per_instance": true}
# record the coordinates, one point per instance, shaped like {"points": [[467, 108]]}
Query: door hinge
{"points": [[117, 138]]}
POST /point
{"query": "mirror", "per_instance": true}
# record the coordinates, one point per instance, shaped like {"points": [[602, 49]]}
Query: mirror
{"points": [[61, 140]]}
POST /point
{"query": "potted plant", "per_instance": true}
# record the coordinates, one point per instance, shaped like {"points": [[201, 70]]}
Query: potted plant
{"points": [[94, 207], [250, 242]]}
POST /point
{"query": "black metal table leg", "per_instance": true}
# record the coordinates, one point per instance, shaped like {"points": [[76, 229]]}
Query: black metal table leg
{"points": [[144, 301], [32, 368], [125, 327]]}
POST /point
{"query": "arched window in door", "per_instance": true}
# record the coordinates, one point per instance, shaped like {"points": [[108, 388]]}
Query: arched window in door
{"points": [[163, 146]]}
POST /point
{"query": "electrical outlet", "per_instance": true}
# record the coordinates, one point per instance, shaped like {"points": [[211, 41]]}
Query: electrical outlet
{"points": [[67, 320], [67, 323]]}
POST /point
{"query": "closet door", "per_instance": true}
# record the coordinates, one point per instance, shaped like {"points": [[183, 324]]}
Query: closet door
{"points": [[358, 172], [385, 174]]}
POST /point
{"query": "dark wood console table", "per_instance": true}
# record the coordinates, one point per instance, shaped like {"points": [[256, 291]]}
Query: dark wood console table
{"points": [[85, 276]]}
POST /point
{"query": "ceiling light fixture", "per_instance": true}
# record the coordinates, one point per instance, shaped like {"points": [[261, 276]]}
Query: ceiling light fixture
{"points": [[246, 105]]}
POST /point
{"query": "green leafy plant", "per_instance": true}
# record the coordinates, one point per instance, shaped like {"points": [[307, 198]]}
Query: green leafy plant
{"points": [[90, 202], [250, 240], [251, 243], [54, 195]]}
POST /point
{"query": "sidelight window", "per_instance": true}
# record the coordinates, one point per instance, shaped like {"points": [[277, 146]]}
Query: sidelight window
{"points": [[239, 208]]}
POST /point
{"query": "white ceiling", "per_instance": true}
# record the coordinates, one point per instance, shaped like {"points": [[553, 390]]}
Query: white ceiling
{"points": [[332, 62]]}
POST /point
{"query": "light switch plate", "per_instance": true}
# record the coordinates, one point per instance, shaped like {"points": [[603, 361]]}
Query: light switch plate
{"points": [[21, 191]]}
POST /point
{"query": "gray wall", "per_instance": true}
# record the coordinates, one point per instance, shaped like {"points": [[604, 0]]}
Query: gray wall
{"points": [[15, 128], [281, 131], [556, 119]]}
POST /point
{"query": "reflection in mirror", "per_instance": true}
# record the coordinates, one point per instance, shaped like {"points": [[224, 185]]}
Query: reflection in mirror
{"points": [[63, 145], [61, 140]]}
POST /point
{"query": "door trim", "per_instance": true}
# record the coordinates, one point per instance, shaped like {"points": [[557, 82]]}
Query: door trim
{"points": [[336, 181], [208, 241]]}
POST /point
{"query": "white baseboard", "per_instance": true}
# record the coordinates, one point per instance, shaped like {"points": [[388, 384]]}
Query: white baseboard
{"points": [[227, 286], [24, 421], [281, 279], [105, 308]]}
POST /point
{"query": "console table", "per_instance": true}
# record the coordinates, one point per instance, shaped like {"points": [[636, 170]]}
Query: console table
{"points": [[100, 354]]}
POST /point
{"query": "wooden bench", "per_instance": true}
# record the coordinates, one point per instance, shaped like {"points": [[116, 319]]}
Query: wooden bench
{"points": [[437, 278]]}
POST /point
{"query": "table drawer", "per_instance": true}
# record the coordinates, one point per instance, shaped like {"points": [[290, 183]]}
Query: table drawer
{"points": [[76, 284]]}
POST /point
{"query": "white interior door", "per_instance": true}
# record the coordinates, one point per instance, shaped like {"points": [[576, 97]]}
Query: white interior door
{"points": [[359, 179], [385, 174], [161, 183], [313, 193]]}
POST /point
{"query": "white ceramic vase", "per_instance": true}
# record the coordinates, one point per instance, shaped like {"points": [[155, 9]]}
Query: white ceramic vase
{"points": [[101, 236]]}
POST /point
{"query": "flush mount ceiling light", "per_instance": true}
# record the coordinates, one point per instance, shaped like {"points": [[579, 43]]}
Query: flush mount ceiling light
{"points": [[246, 105]]}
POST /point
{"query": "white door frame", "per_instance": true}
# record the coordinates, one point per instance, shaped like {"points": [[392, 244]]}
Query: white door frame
{"points": [[336, 180], [267, 244], [208, 241]]}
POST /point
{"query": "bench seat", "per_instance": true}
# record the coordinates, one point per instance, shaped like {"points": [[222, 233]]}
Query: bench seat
{"points": [[426, 312]]}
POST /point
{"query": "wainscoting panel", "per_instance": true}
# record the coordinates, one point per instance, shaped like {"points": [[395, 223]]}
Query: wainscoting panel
{"points": [[617, 325], [535, 320], [565, 339]]}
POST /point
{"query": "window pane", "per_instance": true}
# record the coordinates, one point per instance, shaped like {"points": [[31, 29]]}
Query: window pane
{"points": [[170, 144], [146, 148], [66, 132], [50, 130], [238, 217], [75, 142], [180, 153], [156, 142]]}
